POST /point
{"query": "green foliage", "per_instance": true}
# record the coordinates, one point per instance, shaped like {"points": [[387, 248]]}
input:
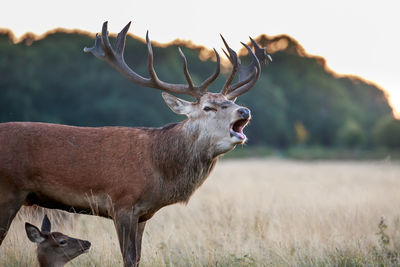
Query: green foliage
{"points": [[384, 253], [384, 239], [351, 134], [387, 132], [52, 80]]}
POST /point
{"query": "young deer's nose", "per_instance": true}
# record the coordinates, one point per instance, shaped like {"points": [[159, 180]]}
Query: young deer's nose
{"points": [[244, 113], [88, 244], [85, 244]]}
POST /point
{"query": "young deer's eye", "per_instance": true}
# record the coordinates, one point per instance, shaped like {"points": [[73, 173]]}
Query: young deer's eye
{"points": [[63, 242], [209, 109], [224, 107]]}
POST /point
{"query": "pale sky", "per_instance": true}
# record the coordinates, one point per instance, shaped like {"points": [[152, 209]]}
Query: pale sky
{"points": [[360, 37]]}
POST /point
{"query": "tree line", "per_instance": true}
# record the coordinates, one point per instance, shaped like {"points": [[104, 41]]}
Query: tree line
{"points": [[296, 102]]}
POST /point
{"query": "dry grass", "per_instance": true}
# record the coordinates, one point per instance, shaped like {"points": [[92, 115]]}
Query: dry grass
{"points": [[256, 213]]}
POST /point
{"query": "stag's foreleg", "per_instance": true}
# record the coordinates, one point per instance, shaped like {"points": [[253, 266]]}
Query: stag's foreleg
{"points": [[139, 235], [11, 201], [129, 232]]}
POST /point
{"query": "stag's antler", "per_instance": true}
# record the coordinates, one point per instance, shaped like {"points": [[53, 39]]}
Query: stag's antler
{"points": [[115, 57], [249, 75]]}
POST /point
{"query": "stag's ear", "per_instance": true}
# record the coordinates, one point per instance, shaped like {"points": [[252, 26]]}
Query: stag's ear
{"points": [[46, 225], [177, 105], [34, 233]]}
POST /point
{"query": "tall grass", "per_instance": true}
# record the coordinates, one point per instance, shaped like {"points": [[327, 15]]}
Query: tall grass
{"points": [[266, 212]]}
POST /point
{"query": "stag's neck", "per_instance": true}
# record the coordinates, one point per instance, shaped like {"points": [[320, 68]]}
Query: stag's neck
{"points": [[184, 158]]}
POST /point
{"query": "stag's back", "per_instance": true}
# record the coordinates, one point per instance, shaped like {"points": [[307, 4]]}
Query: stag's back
{"points": [[32, 153]]}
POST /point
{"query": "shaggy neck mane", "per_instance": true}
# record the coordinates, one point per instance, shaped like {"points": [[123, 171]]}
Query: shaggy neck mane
{"points": [[184, 158]]}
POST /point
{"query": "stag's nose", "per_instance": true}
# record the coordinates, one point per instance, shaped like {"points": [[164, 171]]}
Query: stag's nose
{"points": [[244, 113]]}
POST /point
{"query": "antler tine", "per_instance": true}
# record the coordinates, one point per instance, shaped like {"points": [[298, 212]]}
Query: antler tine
{"points": [[226, 54], [121, 38], [97, 49], [209, 80], [261, 53], [245, 72], [235, 61], [185, 69], [150, 60], [105, 40], [232, 56], [252, 72], [176, 88]]}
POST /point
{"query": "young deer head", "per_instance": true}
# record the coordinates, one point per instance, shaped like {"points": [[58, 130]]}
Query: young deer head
{"points": [[54, 248], [214, 118]]}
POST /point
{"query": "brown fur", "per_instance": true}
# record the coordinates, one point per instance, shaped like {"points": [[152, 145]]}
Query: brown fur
{"points": [[122, 173], [130, 159]]}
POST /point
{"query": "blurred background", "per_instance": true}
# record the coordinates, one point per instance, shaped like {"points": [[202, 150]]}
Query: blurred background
{"points": [[332, 90], [300, 107]]}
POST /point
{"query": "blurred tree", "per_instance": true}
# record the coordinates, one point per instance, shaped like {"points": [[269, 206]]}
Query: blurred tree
{"points": [[52, 80], [301, 133], [387, 132], [351, 135]]}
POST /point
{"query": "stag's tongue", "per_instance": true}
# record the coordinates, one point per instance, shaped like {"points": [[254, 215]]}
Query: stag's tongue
{"points": [[236, 129]]}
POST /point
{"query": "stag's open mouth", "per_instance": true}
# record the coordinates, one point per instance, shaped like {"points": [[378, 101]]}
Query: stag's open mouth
{"points": [[236, 128]]}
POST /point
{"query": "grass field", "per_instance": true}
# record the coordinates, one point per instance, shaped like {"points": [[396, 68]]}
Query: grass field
{"points": [[256, 212]]}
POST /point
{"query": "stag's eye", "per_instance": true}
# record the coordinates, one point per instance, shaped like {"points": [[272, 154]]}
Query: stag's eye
{"points": [[63, 242], [224, 107], [209, 109]]}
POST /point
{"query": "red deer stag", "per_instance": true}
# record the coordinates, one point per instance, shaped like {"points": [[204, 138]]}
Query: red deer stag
{"points": [[54, 249], [126, 174]]}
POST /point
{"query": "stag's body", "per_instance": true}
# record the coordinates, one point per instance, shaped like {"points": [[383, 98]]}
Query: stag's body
{"points": [[148, 168], [126, 174]]}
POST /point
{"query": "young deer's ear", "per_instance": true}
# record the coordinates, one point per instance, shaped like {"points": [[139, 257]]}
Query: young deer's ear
{"points": [[177, 105], [46, 225], [34, 233]]}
